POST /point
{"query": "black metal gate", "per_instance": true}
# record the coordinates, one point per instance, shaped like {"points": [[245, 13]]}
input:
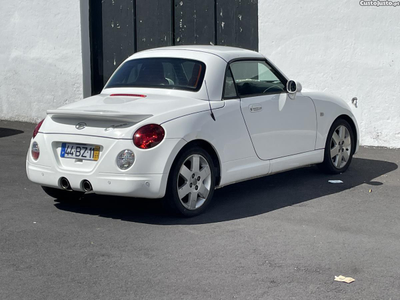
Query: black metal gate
{"points": [[119, 28]]}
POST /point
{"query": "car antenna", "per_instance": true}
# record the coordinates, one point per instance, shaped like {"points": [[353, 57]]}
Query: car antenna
{"points": [[209, 103]]}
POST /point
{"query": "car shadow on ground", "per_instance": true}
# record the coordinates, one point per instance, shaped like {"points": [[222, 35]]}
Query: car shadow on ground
{"points": [[5, 132], [240, 200]]}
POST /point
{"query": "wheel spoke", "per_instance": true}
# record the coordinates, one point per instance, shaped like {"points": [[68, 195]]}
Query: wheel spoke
{"points": [[342, 132], [185, 172], [205, 172], [203, 191], [346, 156], [192, 200], [334, 151], [338, 160], [184, 190], [336, 138], [347, 141], [195, 163]]}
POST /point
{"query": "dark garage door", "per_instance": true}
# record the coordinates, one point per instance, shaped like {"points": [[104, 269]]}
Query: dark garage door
{"points": [[120, 28]]}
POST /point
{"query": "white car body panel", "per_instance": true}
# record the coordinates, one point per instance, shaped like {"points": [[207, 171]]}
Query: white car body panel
{"points": [[328, 109], [104, 175], [154, 107], [228, 136], [286, 134], [291, 123]]}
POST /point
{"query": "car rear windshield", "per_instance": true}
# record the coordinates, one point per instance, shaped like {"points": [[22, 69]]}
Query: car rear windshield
{"points": [[168, 73]]}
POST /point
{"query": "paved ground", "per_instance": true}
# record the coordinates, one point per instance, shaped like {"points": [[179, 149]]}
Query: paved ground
{"points": [[279, 237]]}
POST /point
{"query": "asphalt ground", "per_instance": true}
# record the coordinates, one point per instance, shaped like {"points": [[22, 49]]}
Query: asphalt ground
{"points": [[284, 236]]}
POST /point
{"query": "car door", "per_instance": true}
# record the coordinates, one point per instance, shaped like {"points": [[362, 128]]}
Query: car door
{"points": [[280, 124]]}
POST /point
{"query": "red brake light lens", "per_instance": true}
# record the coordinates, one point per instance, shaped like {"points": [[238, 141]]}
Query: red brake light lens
{"points": [[35, 132], [148, 136]]}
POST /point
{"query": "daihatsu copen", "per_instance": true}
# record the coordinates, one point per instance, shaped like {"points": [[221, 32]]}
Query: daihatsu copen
{"points": [[178, 122]]}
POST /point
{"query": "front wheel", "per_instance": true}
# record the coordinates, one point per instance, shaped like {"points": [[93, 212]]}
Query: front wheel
{"points": [[338, 148], [191, 182]]}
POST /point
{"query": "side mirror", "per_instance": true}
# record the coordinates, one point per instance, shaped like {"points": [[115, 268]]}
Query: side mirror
{"points": [[293, 87]]}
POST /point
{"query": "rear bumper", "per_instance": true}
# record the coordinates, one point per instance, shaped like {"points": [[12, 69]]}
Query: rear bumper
{"points": [[147, 178], [138, 185]]}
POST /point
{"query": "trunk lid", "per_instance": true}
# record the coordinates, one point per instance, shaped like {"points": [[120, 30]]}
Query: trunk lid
{"points": [[116, 116]]}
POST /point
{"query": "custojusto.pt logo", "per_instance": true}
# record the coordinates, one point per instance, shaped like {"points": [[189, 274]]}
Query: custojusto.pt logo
{"points": [[380, 3]]}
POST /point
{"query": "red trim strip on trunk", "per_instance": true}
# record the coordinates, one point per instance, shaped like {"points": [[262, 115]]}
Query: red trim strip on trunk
{"points": [[128, 95]]}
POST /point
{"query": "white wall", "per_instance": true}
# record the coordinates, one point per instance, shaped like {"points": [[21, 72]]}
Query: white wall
{"points": [[343, 48], [335, 46], [40, 57]]}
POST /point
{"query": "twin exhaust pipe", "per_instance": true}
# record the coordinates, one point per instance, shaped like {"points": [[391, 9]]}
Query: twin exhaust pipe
{"points": [[64, 184], [86, 186]]}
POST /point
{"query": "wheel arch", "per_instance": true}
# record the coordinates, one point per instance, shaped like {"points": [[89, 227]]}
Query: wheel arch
{"points": [[327, 165], [351, 122], [210, 150]]}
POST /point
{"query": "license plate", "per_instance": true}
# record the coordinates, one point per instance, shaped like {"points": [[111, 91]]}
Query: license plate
{"points": [[80, 151]]}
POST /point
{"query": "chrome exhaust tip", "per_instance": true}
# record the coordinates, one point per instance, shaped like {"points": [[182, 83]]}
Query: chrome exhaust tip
{"points": [[86, 186], [64, 184]]}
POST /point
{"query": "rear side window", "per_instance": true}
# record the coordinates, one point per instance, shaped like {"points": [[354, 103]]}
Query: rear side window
{"points": [[169, 73], [256, 78]]}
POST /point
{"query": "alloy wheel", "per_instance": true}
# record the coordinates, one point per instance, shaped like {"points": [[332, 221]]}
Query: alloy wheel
{"points": [[194, 181], [340, 147]]}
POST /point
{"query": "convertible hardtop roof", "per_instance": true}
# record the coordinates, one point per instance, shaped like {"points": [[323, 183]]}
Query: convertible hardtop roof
{"points": [[224, 52]]}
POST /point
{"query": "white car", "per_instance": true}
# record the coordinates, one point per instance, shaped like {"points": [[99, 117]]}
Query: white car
{"points": [[178, 122]]}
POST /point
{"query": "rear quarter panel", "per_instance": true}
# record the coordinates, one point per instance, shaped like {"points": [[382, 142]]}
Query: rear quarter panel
{"points": [[227, 134]]}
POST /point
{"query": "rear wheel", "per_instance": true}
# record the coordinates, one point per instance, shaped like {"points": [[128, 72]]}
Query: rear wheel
{"points": [[191, 183], [61, 194], [339, 148]]}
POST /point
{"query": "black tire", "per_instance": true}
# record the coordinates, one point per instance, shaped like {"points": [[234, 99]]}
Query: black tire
{"points": [[61, 194], [339, 148], [200, 185]]}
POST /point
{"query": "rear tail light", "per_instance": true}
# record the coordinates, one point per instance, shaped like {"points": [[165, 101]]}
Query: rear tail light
{"points": [[35, 132], [148, 136], [35, 151]]}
